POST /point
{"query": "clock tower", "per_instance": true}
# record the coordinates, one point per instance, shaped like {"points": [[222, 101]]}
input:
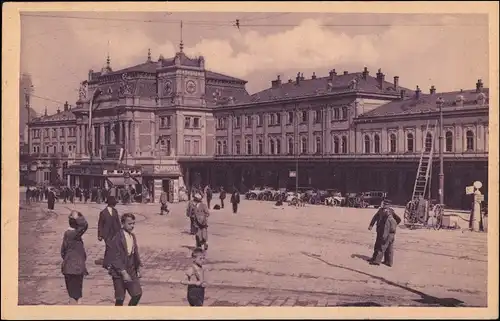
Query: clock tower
{"points": [[181, 81]]}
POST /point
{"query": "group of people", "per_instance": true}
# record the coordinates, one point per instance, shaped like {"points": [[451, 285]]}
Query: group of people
{"points": [[123, 262], [121, 256]]}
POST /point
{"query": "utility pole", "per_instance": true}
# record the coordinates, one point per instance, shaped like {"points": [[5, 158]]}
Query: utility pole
{"points": [[296, 119], [27, 92], [440, 103]]}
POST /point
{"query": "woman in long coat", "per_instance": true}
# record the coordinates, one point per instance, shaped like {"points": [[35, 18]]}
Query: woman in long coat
{"points": [[51, 199]]}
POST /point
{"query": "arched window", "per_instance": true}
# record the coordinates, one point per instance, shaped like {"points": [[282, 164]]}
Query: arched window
{"points": [[449, 141], [336, 145], [428, 142], [392, 143], [224, 148], [318, 145], [238, 147], [367, 144], [249, 147], [261, 147], [278, 145], [409, 142], [271, 146], [344, 144], [377, 143], [469, 136], [62, 148], [303, 147], [54, 149], [219, 148], [290, 146]]}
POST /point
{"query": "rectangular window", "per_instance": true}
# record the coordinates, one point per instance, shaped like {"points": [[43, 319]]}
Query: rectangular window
{"points": [[278, 118], [54, 133], [196, 122], [187, 122], [317, 116], [248, 121], [62, 132], [196, 147], [259, 120], [344, 112], [187, 147], [336, 114], [304, 116], [237, 121], [46, 176], [290, 118]]}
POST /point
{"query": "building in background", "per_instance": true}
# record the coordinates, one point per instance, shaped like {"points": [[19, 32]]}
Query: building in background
{"points": [[170, 124]]}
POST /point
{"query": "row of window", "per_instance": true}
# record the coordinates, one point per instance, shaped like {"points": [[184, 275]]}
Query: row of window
{"points": [[339, 113], [339, 146], [53, 149], [410, 142], [191, 146], [189, 122], [52, 132]]}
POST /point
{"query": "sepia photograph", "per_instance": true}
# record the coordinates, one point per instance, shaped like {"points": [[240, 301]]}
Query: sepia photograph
{"points": [[253, 158]]}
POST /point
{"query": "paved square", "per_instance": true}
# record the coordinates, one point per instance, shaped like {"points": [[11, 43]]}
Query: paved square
{"points": [[262, 256]]}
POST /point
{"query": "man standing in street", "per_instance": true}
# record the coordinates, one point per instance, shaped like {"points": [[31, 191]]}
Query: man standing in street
{"points": [[200, 215], [235, 200], [163, 202], [109, 223], [208, 194], [386, 220], [222, 196]]}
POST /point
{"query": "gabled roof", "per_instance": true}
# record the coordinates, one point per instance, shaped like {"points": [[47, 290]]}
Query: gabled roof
{"points": [[222, 96], [320, 85], [427, 103], [61, 116]]}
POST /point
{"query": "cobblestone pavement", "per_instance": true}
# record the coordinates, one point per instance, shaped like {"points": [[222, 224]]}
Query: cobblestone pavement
{"points": [[262, 256]]}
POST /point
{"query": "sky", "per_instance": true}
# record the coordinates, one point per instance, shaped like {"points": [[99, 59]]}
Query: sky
{"points": [[448, 51]]}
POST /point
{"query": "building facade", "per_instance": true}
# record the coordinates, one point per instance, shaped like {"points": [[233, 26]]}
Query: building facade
{"points": [[174, 124]]}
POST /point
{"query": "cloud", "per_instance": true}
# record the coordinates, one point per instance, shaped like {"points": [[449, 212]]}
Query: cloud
{"points": [[450, 57]]}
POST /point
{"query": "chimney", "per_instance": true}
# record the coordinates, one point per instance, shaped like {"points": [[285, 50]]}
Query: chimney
{"points": [[365, 73], [380, 79], [58, 110], [402, 93], [432, 90], [396, 82], [66, 106], [417, 92], [90, 74], [479, 86], [302, 76], [333, 73], [276, 83], [314, 75], [346, 73], [297, 79]]}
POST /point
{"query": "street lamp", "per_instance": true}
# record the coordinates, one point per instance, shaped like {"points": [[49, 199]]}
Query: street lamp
{"points": [[440, 102]]}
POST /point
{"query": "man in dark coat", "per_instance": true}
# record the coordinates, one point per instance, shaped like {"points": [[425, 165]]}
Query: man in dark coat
{"points": [[122, 257], [222, 196], [109, 223], [190, 215], [235, 200], [51, 199], [208, 194], [383, 239]]}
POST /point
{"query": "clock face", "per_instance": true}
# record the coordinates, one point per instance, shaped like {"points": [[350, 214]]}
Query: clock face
{"points": [[167, 88], [190, 86]]}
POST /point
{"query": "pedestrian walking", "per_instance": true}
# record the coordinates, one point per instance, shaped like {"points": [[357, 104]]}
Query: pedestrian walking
{"points": [[190, 215], [208, 194], [235, 200], [73, 254], [163, 203], [196, 279], [201, 214], [122, 257], [108, 224], [86, 194], [51, 199], [222, 196], [385, 218]]}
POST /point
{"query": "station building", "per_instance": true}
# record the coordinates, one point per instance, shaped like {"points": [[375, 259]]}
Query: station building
{"points": [[172, 124]]}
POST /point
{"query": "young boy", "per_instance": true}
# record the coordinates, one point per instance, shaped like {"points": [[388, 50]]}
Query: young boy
{"points": [[196, 279], [122, 257], [73, 254]]}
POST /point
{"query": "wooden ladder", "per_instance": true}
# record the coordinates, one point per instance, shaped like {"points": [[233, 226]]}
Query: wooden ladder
{"points": [[424, 171]]}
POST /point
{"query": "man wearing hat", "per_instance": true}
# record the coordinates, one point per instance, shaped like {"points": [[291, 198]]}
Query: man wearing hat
{"points": [[109, 222], [200, 215], [386, 220]]}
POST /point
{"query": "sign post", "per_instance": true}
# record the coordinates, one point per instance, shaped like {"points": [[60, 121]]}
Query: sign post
{"points": [[476, 211]]}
